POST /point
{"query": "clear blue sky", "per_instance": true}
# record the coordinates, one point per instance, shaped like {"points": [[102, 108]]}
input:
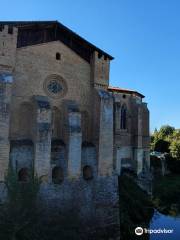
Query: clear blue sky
{"points": [[142, 35]]}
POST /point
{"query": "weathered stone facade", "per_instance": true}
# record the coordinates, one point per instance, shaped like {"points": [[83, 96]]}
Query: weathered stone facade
{"points": [[60, 118]]}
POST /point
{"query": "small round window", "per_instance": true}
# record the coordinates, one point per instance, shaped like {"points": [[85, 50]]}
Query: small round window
{"points": [[55, 86]]}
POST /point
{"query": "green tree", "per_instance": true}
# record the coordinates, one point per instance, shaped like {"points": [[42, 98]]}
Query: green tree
{"points": [[160, 140], [161, 146], [175, 149], [166, 131]]}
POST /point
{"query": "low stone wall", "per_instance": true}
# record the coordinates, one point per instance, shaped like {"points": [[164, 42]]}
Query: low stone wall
{"points": [[92, 204], [95, 202]]}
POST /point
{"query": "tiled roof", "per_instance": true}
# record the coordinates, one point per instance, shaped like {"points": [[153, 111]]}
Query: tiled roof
{"points": [[122, 90]]}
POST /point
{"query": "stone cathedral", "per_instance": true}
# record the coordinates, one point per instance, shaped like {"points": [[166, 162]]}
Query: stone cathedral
{"points": [[60, 118]]}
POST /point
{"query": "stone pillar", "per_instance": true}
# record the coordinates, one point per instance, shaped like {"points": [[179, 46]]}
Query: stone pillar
{"points": [[6, 81], [42, 139], [118, 162], [146, 137], [105, 148], [74, 142], [138, 152]]}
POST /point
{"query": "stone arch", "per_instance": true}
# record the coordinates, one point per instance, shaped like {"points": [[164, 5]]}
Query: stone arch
{"points": [[57, 175], [87, 172], [23, 175]]}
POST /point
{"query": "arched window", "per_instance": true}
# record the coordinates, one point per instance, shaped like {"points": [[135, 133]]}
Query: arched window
{"points": [[87, 173], [57, 175], [23, 175], [117, 109], [123, 117], [58, 56]]}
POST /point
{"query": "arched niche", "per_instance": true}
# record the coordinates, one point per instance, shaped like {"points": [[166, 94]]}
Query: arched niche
{"points": [[57, 175], [23, 175], [89, 156], [87, 172]]}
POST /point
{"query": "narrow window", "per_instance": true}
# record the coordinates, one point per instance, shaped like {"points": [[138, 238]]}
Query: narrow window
{"points": [[58, 56], [123, 117], [117, 116], [87, 173]]}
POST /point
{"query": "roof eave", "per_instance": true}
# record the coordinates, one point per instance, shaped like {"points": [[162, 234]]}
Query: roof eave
{"points": [[114, 89]]}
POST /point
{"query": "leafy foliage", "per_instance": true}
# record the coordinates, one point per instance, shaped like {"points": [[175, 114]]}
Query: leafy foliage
{"points": [[162, 146], [166, 140], [175, 149]]}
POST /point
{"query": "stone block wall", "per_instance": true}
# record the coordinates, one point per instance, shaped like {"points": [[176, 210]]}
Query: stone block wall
{"points": [[95, 202]]}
